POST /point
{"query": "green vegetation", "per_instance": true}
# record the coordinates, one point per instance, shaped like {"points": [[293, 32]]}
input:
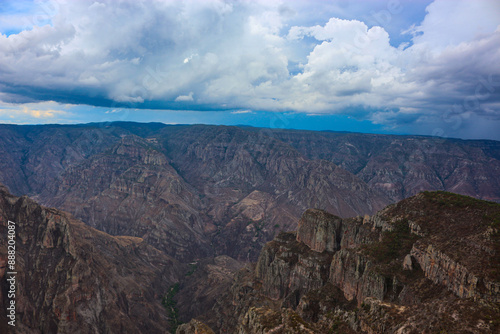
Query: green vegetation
{"points": [[171, 306], [483, 214], [335, 326], [493, 220], [270, 319], [491, 318], [452, 200], [192, 269], [395, 244], [297, 322], [259, 226]]}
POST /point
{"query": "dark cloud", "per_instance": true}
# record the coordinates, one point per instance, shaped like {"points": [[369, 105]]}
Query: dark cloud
{"points": [[219, 55]]}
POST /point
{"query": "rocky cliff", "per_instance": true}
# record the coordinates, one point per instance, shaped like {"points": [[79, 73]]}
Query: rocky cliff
{"points": [[72, 278], [191, 191], [131, 189], [402, 166], [201, 194], [258, 186], [197, 191], [427, 264]]}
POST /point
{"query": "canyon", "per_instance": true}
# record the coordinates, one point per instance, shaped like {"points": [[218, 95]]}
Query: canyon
{"points": [[154, 228], [428, 264], [229, 190]]}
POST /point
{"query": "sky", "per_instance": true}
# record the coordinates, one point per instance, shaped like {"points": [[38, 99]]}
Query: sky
{"points": [[390, 66]]}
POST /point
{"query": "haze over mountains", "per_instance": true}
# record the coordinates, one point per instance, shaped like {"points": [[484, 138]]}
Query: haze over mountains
{"points": [[228, 190]]}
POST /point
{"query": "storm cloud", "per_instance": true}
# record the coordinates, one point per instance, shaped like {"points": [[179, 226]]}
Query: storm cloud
{"points": [[267, 55]]}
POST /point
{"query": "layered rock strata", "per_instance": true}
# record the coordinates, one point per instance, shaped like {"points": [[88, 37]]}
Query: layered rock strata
{"points": [[72, 278], [434, 256]]}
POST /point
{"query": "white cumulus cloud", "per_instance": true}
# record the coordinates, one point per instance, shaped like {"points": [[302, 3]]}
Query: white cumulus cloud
{"points": [[262, 55]]}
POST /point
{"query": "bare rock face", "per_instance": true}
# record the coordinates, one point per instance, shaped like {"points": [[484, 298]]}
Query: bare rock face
{"points": [[287, 267], [320, 230], [263, 320], [259, 320], [204, 283], [441, 269], [459, 247], [427, 264], [191, 191], [353, 274], [408, 263], [194, 327], [198, 191], [402, 166], [206, 191], [257, 186], [72, 278], [132, 190]]}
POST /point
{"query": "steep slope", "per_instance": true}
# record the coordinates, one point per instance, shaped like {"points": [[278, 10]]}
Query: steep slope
{"points": [[229, 157], [255, 186], [200, 186], [194, 191], [402, 166], [72, 278], [131, 189], [206, 281], [33, 155], [429, 263]]}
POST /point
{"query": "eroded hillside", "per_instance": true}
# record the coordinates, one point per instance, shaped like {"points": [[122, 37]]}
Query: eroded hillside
{"points": [[428, 264], [201, 191], [72, 278]]}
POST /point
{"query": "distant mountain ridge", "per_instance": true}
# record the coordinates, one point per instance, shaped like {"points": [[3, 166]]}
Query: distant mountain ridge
{"points": [[228, 190], [402, 166]]}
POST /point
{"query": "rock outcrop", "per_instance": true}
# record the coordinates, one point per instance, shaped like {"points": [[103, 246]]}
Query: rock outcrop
{"points": [[200, 194], [287, 268], [194, 327], [441, 269], [131, 189], [426, 264], [72, 278], [205, 281], [403, 166], [198, 191], [191, 191], [264, 320], [353, 273], [320, 230]]}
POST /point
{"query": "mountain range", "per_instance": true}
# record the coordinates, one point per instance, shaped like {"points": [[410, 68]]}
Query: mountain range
{"points": [[137, 228], [228, 190], [427, 264]]}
